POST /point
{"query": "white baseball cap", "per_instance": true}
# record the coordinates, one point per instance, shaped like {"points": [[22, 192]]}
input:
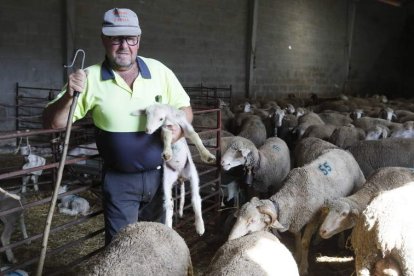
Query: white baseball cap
{"points": [[120, 22]]}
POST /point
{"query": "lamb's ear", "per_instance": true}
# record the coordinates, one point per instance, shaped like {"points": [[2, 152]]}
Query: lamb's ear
{"points": [[138, 112], [255, 201]]}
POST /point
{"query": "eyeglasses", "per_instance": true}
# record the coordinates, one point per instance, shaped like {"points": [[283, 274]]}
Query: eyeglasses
{"points": [[118, 40]]}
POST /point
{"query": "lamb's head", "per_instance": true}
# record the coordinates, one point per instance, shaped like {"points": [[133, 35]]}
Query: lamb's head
{"points": [[340, 216], [156, 116], [62, 189], [253, 216], [237, 154]]}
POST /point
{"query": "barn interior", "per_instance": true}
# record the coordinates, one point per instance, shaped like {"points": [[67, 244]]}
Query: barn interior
{"points": [[235, 56]]}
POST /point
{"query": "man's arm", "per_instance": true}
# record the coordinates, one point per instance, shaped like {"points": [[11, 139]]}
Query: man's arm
{"points": [[56, 114]]}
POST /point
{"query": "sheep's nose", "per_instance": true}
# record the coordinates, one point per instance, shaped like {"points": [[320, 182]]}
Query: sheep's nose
{"points": [[322, 232]]}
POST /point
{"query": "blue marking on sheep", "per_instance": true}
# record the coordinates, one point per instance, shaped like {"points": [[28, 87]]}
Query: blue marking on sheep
{"points": [[277, 148], [325, 168]]}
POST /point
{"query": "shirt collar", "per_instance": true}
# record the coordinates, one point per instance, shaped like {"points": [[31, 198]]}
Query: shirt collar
{"points": [[107, 73]]}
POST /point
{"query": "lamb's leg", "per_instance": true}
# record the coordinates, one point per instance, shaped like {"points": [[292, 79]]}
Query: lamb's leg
{"points": [[166, 135], [196, 199], [182, 197], [25, 180], [35, 179], [310, 228], [190, 133], [5, 238], [23, 227], [168, 181]]}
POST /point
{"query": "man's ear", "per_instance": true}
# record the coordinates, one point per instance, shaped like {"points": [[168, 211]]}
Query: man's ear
{"points": [[138, 112]]}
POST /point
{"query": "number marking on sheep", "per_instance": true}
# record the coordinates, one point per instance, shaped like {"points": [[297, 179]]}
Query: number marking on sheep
{"points": [[325, 168]]}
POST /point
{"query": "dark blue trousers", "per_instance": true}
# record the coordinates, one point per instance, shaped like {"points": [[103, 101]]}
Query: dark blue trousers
{"points": [[131, 197]]}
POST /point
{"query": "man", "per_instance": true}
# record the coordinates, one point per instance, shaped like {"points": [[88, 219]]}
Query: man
{"points": [[111, 91]]}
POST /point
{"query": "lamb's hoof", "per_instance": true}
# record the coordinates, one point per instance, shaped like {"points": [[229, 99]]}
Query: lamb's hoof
{"points": [[200, 228], [166, 156], [209, 159]]}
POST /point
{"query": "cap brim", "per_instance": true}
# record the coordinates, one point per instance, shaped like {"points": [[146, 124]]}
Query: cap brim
{"points": [[121, 31]]}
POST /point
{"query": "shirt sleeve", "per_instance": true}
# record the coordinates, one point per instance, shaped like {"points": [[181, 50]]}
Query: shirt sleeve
{"points": [[176, 94]]}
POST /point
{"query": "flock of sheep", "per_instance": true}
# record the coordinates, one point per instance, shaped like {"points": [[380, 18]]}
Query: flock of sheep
{"points": [[326, 166], [317, 167]]}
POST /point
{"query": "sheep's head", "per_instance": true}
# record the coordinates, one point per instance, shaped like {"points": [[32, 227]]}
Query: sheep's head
{"points": [[253, 216], [377, 132], [279, 114], [340, 216], [237, 154]]}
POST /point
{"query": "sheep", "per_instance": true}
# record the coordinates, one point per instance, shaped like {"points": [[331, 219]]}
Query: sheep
{"points": [[385, 230], [178, 163], [307, 120], [377, 132], [32, 161], [297, 204], [308, 149], [142, 248], [406, 131], [374, 154], [334, 118], [320, 131], [269, 164], [251, 127], [72, 204], [9, 221], [346, 136], [343, 212], [260, 253]]}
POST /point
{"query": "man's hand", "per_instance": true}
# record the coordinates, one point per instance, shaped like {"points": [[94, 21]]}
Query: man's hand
{"points": [[76, 81], [177, 132]]}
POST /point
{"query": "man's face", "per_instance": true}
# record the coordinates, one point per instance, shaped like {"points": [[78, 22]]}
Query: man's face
{"points": [[121, 50]]}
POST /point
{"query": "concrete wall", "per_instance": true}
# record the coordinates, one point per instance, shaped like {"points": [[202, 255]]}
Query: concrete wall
{"points": [[301, 47]]}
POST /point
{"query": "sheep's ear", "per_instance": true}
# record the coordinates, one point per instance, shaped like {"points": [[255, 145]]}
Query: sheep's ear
{"points": [[354, 212], [138, 112], [245, 152], [236, 214], [278, 226]]}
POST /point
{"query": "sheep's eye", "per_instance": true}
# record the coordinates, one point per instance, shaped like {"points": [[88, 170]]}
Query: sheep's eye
{"points": [[160, 119], [344, 214]]}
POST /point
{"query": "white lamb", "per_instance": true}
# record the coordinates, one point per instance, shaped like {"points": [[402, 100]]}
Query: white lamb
{"points": [[32, 161], [333, 174], [178, 165], [386, 230], [72, 204]]}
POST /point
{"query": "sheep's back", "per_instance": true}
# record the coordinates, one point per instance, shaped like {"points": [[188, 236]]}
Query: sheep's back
{"points": [[375, 154], [386, 227], [143, 248], [333, 174], [259, 253]]}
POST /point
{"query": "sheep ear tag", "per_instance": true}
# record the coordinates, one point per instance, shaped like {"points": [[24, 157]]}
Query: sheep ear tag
{"points": [[249, 177]]}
